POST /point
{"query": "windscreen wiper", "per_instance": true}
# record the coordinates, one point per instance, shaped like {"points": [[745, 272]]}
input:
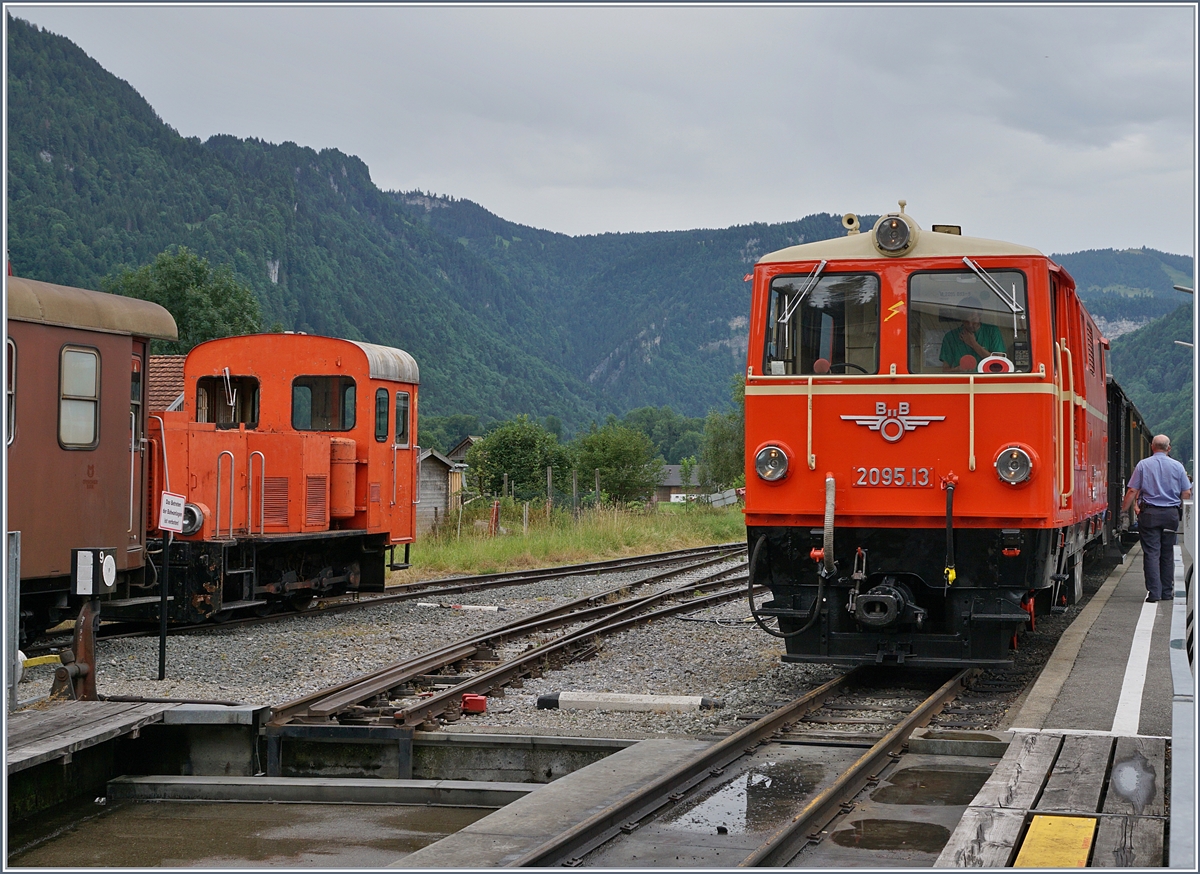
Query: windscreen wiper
{"points": [[808, 286], [1010, 301]]}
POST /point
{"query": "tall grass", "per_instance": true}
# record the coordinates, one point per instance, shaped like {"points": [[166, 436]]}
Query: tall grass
{"points": [[598, 533]]}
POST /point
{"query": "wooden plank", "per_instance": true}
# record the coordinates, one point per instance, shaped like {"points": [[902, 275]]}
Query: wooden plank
{"points": [[1018, 780], [1129, 842], [1054, 841], [73, 716], [1138, 782], [1077, 780], [986, 837], [96, 726]]}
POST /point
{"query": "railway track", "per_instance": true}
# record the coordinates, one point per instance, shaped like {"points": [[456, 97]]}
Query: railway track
{"points": [[421, 689], [442, 587], [717, 765]]}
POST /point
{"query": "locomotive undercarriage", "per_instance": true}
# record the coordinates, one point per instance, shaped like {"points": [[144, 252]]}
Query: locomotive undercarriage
{"points": [[217, 579], [888, 601]]}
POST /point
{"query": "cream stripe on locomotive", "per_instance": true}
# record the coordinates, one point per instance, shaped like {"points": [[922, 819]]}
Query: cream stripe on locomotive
{"points": [[1007, 388]]}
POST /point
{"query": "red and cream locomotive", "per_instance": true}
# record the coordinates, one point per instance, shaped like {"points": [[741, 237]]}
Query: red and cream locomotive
{"points": [[927, 444]]}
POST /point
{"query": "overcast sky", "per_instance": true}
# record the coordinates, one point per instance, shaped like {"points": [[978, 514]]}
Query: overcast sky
{"points": [[1062, 128]]}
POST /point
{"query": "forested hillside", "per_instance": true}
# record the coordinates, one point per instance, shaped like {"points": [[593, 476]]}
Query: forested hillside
{"points": [[504, 319], [1156, 372]]}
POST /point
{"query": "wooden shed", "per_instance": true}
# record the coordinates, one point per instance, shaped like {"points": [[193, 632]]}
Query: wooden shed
{"points": [[438, 492]]}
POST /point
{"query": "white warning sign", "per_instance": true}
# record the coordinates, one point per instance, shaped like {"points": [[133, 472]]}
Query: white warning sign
{"points": [[170, 512]]}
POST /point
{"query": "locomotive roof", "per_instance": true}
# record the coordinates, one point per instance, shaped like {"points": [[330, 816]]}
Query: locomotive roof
{"points": [[929, 244], [387, 362], [32, 301]]}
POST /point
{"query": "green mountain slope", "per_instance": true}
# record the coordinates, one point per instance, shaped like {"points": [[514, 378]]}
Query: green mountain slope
{"points": [[1132, 284], [97, 180], [1156, 373]]}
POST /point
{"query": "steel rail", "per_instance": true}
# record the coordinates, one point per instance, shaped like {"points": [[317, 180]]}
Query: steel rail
{"points": [[782, 846], [526, 663], [121, 630], [373, 684], [451, 585], [368, 685], [600, 827]]}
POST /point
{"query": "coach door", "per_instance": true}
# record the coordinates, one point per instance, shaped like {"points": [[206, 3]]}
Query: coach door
{"points": [[137, 449]]}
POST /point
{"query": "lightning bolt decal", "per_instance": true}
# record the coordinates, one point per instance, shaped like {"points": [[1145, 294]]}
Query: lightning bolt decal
{"points": [[895, 310]]}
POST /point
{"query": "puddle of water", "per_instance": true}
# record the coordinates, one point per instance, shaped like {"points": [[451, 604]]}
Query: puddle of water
{"points": [[893, 834], [932, 786], [230, 835], [754, 801]]}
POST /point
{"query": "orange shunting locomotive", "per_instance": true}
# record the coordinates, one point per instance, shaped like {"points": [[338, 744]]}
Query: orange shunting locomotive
{"points": [[297, 456], [927, 444]]}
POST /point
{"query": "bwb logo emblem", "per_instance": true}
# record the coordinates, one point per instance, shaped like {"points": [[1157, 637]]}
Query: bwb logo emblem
{"points": [[892, 423]]}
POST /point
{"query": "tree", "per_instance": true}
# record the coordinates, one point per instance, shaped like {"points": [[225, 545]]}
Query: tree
{"points": [[723, 452], [687, 472], [206, 303], [630, 468], [522, 449]]}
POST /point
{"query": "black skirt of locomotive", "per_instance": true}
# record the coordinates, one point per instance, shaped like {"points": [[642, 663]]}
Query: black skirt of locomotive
{"points": [[892, 604]]}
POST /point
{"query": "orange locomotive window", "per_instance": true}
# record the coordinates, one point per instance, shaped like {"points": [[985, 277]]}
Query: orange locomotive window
{"points": [[956, 321], [323, 403], [823, 324], [228, 401]]}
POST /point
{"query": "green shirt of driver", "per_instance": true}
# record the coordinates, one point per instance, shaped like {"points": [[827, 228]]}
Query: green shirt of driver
{"points": [[954, 347]]}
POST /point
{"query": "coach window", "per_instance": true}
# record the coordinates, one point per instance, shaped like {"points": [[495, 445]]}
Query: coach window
{"points": [[401, 418], [10, 390], [823, 324], [958, 322], [323, 403], [79, 398], [381, 415], [228, 401]]}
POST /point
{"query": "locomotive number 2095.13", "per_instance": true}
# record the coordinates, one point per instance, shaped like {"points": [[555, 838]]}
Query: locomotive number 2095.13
{"points": [[911, 477]]}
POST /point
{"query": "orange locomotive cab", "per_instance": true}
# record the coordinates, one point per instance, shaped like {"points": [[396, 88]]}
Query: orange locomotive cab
{"points": [[926, 444], [297, 456]]}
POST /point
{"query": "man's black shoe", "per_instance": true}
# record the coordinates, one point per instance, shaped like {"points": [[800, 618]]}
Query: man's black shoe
{"points": [[1150, 600]]}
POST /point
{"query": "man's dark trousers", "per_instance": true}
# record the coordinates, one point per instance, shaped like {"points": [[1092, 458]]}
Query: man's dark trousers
{"points": [[1157, 526]]}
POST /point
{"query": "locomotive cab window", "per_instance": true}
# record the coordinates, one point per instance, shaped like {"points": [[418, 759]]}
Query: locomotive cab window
{"points": [[960, 323], [323, 403], [823, 324], [401, 418], [381, 415], [79, 398], [228, 401]]}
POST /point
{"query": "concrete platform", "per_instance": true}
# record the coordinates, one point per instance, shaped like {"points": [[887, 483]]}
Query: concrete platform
{"points": [[1091, 739], [523, 825]]}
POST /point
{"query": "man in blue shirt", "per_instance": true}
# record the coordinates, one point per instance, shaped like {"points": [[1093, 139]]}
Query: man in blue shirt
{"points": [[1159, 485]]}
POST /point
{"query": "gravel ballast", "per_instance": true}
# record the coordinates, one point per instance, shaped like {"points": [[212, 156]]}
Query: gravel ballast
{"points": [[718, 653]]}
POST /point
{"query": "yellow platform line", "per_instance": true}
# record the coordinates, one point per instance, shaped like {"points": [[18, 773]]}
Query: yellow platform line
{"points": [[1057, 842]]}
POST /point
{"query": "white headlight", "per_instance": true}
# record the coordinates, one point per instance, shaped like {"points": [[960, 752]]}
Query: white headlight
{"points": [[771, 463], [1014, 465], [193, 519]]}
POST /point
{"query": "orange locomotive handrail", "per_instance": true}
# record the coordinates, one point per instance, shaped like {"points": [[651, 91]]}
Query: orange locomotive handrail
{"points": [[1070, 469]]}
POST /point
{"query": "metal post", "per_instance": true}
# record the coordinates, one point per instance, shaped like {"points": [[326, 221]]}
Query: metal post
{"points": [[162, 606], [574, 492], [504, 488], [549, 490], [597, 487], [12, 606]]}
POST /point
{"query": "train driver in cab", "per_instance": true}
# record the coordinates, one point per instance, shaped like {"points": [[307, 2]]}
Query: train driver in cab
{"points": [[964, 347]]}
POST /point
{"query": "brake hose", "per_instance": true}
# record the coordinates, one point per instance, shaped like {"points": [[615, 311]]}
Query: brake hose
{"points": [[950, 575], [754, 610]]}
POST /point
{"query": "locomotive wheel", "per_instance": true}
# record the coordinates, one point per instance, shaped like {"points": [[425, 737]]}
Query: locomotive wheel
{"points": [[301, 601]]}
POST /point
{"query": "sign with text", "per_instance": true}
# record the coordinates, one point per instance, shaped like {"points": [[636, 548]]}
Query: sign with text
{"points": [[170, 512]]}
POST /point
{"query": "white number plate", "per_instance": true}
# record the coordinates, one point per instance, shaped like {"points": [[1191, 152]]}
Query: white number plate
{"points": [[903, 477]]}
